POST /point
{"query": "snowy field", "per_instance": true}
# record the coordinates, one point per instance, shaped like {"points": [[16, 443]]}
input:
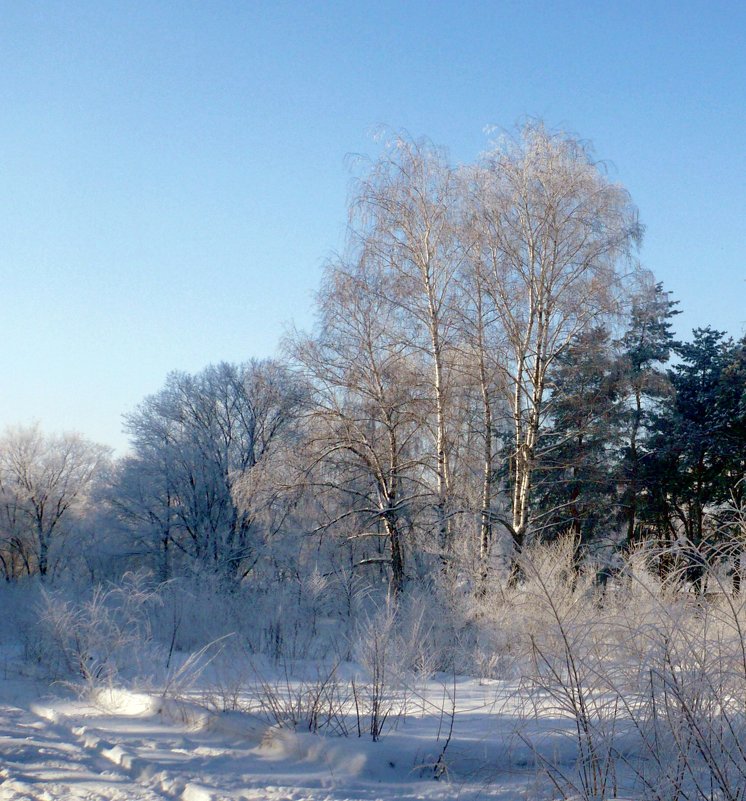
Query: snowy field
{"points": [[567, 693], [124, 745]]}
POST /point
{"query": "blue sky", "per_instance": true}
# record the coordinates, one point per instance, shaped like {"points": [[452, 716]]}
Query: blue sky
{"points": [[173, 175]]}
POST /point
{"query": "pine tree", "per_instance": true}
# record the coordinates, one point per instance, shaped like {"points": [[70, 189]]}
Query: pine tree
{"points": [[693, 456], [645, 348], [576, 492]]}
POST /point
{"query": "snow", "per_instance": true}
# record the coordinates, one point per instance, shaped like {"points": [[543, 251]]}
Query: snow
{"points": [[655, 683], [123, 744]]}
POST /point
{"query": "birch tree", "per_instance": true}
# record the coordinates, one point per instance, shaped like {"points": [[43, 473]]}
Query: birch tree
{"points": [[404, 215], [481, 372], [555, 236], [365, 416]]}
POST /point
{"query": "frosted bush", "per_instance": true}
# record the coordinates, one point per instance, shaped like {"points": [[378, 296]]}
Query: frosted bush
{"points": [[98, 639]]}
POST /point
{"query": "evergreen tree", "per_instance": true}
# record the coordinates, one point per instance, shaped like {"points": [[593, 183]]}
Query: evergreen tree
{"points": [[576, 491], [694, 448], [731, 413], [645, 347]]}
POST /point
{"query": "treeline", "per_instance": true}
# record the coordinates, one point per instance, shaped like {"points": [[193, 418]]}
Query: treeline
{"points": [[489, 367]]}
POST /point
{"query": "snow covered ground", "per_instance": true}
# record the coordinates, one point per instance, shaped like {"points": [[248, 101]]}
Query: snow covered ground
{"points": [[122, 745]]}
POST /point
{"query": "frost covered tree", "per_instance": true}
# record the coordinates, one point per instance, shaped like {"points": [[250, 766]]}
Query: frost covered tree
{"points": [[44, 481], [483, 275], [404, 217], [555, 236], [143, 498], [197, 443], [482, 409], [365, 418]]}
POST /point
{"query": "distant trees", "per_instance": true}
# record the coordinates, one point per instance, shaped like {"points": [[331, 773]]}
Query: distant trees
{"points": [[197, 444], [44, 481]]}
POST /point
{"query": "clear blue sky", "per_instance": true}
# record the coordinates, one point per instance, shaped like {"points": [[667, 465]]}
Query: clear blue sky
{"points": [[173, 175]]}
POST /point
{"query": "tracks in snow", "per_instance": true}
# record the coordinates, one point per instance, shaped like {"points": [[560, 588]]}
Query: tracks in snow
{"points": [[47, 757], [166, 774]]}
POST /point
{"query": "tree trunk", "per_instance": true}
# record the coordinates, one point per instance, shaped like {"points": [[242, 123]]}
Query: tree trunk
{"points": [[391, 524], [632, 481]]}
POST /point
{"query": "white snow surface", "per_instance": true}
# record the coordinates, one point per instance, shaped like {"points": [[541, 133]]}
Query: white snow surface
{"points": [[123, 745]]}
